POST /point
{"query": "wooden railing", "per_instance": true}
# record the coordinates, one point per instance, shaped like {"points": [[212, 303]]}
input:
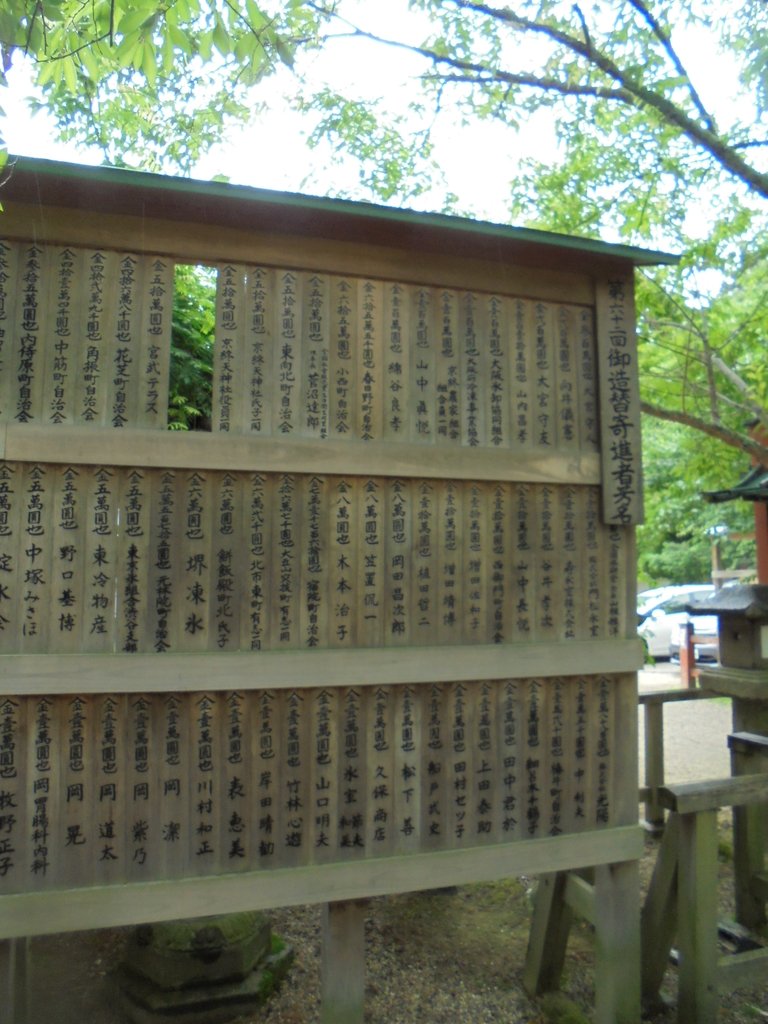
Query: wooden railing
{"points": [[653, 703], [682, 898]]}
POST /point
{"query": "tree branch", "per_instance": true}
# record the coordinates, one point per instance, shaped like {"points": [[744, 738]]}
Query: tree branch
{"points": [[699, 134], [742, 387], [722, 433], [483, 75], [664, 38]]}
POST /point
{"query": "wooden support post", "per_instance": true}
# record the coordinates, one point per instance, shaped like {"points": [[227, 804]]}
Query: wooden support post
{"points": [[697, 918], [749, 843], [14, 1007], [654, 765], [343, 962], [617, 943], [552, 919], [658, 921], [687, 656]]}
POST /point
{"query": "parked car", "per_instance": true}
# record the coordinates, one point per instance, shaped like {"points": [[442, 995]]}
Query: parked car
{"points": [[703, 626], [662, 613]]}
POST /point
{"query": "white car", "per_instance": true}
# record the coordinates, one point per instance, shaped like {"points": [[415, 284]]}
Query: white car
{"points": [[704, 626], [662, 614]]}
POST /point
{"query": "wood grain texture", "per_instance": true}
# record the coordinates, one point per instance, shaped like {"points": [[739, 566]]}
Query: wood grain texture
{"points": [[42, 913], [370, 632], [25, 674]]}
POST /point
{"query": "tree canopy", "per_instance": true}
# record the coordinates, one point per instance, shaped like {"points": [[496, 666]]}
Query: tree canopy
{"points": [[152, 84]]}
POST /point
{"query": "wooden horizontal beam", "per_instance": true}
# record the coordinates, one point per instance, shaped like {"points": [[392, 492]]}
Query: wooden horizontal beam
{"points": [[47, 912], [190, 242], [169, 449], [748, 743], [742, 970], [148, 673], [672, 696], [691, 797]]}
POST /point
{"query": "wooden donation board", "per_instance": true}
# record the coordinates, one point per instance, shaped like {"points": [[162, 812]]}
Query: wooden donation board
{"points": [[374, 629]]}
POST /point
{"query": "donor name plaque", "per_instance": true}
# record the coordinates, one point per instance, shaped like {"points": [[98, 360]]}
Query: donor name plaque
{"points": [[372, 629]]}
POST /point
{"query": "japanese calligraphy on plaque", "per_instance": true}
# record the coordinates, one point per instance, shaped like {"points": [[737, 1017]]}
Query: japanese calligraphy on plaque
{"points": [[120, 560], [115, 788], [321, 520], [619, 402]]}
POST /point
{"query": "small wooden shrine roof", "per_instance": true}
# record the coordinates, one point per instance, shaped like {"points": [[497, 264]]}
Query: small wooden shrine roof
{"points": [[116, 190], [749, 601], [752, 487]]}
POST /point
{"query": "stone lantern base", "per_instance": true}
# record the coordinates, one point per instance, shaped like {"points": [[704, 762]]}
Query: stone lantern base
{"points": [[202, 970]]}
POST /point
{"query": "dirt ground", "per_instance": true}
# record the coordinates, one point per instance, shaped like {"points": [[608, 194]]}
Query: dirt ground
{"points": [[451, 957]]}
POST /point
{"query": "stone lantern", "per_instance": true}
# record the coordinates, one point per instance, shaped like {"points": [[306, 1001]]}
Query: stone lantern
{"points": [[743, 676]]}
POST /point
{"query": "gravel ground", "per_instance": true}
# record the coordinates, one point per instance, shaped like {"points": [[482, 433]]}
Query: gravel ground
{"points": [[454, 956]]}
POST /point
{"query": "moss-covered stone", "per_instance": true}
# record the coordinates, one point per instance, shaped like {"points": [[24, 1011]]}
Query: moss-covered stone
{"points": [[198, 951], [146, 1003]]}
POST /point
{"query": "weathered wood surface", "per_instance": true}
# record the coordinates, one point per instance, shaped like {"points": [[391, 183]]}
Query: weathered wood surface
{"points": [[206, 244], [372, 632], [690, 797], [682, 898], [109, 788], [106, 559], [606, 895], [53, 910]]}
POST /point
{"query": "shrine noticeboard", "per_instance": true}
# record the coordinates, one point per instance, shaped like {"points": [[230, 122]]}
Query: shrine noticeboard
{"points": [[374, 630]]}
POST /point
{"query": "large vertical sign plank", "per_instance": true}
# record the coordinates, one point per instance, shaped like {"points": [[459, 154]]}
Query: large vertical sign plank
{"points": [[155, 342], [619, 402], [229, 349]]}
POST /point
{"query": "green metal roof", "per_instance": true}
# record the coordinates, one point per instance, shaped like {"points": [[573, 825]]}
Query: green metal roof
{"points": [[111, 189]]}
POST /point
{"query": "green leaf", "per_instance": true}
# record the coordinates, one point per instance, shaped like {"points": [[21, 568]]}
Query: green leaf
{"points": [[285, 52], [245, 47], [124, 51], [205, 45], [89, 64], [166, 51], [221, 38], [137, 59], [256, 18], [46, 72], [70, 73], [132, 22], [179, 39], [149, 64]]}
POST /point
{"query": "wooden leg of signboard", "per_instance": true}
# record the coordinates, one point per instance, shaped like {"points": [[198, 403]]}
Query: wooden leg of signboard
{"points": [[658, 920], [343, 962], [14, 957], [749, 848], [617, 943], [654, 765], [697, 918], [552, 919]]}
